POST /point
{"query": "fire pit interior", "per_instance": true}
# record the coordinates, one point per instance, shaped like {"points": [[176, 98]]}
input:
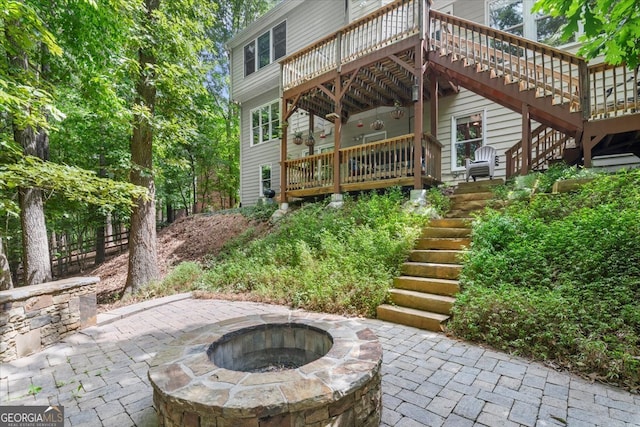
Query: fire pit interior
{"points": [[270, 347], [301, 369]]}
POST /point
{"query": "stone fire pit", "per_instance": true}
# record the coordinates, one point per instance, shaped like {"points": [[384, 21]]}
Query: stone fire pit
{"points": [[295, 370]]}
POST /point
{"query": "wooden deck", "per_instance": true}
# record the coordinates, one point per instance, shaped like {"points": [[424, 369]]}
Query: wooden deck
{"points": [[406, 53], [381, 164]]}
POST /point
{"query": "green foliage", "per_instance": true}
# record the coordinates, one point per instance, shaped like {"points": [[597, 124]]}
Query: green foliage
{"points": [[323, 259], [558, 277], [74, 183], [439, 199], [610, 27], [523, 187]]}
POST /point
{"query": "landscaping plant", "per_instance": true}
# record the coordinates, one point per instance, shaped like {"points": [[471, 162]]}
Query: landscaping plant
{"points": [[557, 277], [318, 258]]}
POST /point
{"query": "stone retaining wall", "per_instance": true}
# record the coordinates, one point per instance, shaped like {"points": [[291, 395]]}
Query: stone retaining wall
{"points": [[35, 317]]}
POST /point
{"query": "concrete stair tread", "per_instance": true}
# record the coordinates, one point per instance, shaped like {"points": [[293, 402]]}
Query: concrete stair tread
{"points": [[433, 264], [446, 232], [481, 195], [443, 256], [424, 295], [412, 317], [431, 285], [429, 279], [451, 222], [449, 243]]}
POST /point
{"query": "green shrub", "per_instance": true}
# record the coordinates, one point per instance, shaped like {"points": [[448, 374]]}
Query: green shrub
{"points": [[558, 277], [332, 260]]}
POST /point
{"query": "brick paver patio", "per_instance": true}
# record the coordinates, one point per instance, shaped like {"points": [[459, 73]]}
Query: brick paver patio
{"points": [[100, 375]]}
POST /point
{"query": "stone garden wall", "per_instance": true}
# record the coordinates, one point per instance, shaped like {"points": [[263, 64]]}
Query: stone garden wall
{"points": [[35, 317]]}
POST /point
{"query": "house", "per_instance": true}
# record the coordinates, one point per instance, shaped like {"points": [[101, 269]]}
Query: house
{"points": [[348, 95]]}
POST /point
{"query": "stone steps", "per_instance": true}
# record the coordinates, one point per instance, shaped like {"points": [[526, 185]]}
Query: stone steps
{"points": [[425, 293]]}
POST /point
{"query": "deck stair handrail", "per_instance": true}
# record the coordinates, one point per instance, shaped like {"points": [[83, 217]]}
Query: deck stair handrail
{"points": [[615, 90], [533, 66], [547, 145], [393, 22]]}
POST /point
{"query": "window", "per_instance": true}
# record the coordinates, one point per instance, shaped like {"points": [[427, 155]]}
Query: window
{"points": [[468, 135], [249, 59], [265, 178], [515, 17], [279, 40], [265, 123], [267, 48]]}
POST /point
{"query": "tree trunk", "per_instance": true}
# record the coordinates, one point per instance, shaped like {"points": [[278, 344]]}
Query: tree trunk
{"points": [[143, 256], [100, 231], [5, 271], [35, 244]]}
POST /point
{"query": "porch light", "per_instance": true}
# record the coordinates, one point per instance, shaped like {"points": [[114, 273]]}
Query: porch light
{"points": [[415, 93], [398, 112]]}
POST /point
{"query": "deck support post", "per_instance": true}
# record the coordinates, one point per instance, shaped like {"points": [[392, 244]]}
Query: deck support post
{"points": [[283, 158], [337, 123], [526, 140], [419, 115]]}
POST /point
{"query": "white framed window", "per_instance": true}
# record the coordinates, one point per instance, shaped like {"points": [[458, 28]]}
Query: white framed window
{"points": [[468, 134], [265, 123], [515, 17], [373, 137], [267, 48], [265, 178], [318, 150]]}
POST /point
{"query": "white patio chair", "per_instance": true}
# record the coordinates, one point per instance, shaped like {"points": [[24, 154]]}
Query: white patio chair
{"points": [[484, 163]]}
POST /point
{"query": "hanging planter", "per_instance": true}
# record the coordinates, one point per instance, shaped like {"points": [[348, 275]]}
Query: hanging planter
{"points": [[310, 141], [398, 112], [377, 124], [297, 138]]}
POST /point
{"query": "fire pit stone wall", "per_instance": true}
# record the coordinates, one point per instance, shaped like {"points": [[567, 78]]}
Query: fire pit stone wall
{"points": [[339, 388]]}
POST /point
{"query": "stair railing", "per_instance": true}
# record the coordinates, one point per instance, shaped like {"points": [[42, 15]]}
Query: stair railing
{"points": [[531, 65], [615, 90], [547, 144]]}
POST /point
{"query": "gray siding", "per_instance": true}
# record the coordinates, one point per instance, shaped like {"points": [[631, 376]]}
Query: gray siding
{"points": [[473, 10], [251, 157], [306, 23]]}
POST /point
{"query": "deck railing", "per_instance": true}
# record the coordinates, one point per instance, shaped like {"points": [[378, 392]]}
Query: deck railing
{"points": [[547, 144], [533, 66], [389, 159], [310, 172], [615, 90], [393, 22]]}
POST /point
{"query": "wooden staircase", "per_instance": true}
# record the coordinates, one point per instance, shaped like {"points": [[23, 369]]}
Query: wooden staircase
{"points": [[582, 110], [424, 295]]}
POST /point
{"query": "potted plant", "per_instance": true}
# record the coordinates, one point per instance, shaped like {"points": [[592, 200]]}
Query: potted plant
{"points": [[297, 138], [310, 140], [377, 124], [398, 112]]}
